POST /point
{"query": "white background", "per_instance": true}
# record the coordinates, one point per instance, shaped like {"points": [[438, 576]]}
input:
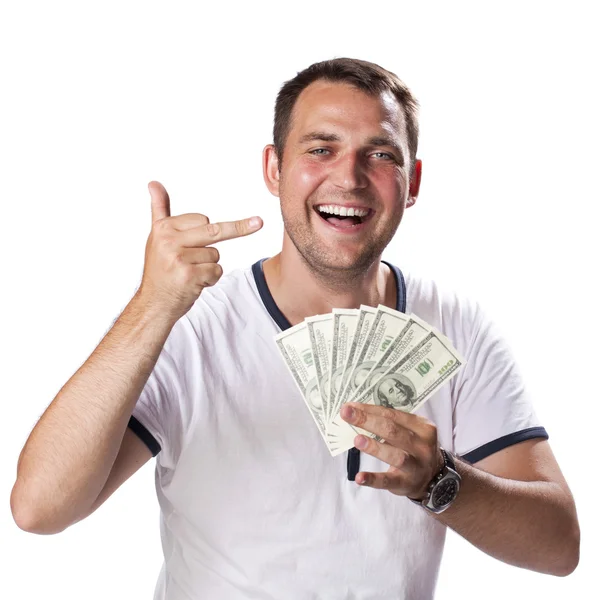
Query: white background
{"points": [[97, 99]]}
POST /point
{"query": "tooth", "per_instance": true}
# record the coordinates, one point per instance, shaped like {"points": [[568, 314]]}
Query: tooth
{"points": [[343, 211], [336, 210], [330, 209], [351, 212]]}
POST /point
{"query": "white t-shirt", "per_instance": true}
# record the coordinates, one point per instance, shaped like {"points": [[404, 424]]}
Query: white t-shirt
{"points": [[252, 504]]}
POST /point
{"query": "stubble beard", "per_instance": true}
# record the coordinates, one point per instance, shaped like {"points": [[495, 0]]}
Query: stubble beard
{"points": [[323, 262]]}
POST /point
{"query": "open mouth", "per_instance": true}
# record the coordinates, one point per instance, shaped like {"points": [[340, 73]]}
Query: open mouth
{"points": [[343, 216]]}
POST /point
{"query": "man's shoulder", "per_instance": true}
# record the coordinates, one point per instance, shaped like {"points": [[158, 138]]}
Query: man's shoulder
{"points": [[429, 295], [454, 313]]}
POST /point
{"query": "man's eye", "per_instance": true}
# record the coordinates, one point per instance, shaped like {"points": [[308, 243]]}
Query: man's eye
{"points": [[319, 150], [385, 154]]}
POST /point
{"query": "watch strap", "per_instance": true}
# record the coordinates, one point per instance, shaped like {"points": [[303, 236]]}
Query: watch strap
{"points": [[448, 463]]}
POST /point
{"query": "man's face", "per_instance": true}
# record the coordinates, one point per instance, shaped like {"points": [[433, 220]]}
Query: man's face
{"points": [[345, 149]]}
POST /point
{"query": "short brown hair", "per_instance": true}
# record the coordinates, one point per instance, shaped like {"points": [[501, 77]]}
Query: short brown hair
{"points": [[366, 76]]}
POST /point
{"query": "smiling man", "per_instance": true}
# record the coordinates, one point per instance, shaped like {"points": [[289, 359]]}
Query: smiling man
{"points": [[252, 504]]}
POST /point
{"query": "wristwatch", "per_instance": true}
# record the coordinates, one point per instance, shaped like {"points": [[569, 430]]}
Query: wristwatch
{"points": [[443, 489]]}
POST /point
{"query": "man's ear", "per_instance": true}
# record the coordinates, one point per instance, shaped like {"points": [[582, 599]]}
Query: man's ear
{"points": [[415, 183], [271, 169]]}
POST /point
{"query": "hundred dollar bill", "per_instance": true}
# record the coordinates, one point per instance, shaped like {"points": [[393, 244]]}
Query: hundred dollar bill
{"points": [[321, 336], [411, 334], [411, 381], [387, 324], [365, 318], [344, 328], [296, 351]]}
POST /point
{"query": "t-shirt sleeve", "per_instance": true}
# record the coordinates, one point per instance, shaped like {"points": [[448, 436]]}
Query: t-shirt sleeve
{"points": [[157, 417], [492, 407]]}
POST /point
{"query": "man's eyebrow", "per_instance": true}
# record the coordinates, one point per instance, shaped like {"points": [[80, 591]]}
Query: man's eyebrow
{"points": [[319, 136]]}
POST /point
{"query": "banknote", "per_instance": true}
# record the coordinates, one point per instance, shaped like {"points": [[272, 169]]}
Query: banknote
{"points": [[366, 315], [296, 350], [405, 340], [320, 332], [344, 327], [387, 324]]}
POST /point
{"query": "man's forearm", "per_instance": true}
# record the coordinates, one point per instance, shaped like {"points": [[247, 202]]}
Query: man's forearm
{"points": [[71, 450], [528, 524]]}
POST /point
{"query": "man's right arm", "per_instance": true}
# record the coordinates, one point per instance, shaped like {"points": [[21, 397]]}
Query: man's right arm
{"points": [[65, 470], [80, 451]]}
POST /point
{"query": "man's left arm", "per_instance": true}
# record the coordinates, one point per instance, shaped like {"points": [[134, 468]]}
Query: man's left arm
{"points": [[515, 505]]}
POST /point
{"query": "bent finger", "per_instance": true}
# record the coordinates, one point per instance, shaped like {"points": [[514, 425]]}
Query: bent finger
{"points": [[188, 221], [391, 481], [390, 454], [209, 273], [199, 256]]}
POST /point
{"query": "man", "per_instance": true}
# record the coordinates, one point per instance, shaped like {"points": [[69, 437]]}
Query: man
{"points": [[252, 505]]}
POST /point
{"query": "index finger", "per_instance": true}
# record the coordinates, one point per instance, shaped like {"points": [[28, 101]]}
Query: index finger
{"points": [[229, 230], [365, 412], [380, 422]]}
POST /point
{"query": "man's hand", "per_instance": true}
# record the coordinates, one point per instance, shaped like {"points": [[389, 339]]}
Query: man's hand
{"points": [[411, 448], [180, 260]]}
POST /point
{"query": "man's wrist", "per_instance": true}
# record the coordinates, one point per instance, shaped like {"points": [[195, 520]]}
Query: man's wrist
{"points": [[441, 463], [444, 487]]}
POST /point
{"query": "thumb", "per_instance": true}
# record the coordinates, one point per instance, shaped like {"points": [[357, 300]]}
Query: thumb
{"points": [[160, 204]]}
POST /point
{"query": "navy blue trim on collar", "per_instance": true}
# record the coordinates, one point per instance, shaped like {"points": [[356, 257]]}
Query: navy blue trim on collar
{"points": [[504, 442], [280, 318], [267, 298], [400, 287]]}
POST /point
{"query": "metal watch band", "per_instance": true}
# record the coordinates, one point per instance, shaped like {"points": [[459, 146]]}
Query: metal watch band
{"points": [[448, 472]]}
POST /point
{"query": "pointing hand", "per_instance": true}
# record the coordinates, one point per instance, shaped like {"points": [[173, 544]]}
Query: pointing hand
{"points": [[180, 261]]}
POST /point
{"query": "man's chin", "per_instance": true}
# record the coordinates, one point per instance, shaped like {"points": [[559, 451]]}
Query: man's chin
{"points": [[349, 262], [324, 256]]}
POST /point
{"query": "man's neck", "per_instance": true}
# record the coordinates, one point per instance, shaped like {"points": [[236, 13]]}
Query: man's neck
{"points": [[300, 293]]}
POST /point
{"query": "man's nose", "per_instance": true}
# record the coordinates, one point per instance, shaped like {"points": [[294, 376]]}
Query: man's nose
{"points": [[348, 172]]}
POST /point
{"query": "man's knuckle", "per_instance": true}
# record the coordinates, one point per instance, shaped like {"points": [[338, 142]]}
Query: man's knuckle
{"points": [[162, 225], [390, 429], [430, 433], [177, 257], [361, 417], [164, 240], [186, 274], [240, 227], [400, 459]]}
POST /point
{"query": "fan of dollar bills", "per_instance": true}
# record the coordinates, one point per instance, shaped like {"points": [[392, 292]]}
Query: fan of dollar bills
{"points": [[375, 356]]}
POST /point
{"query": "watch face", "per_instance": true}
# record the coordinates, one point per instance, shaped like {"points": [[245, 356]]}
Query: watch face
{"points": [[444, 492]]}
